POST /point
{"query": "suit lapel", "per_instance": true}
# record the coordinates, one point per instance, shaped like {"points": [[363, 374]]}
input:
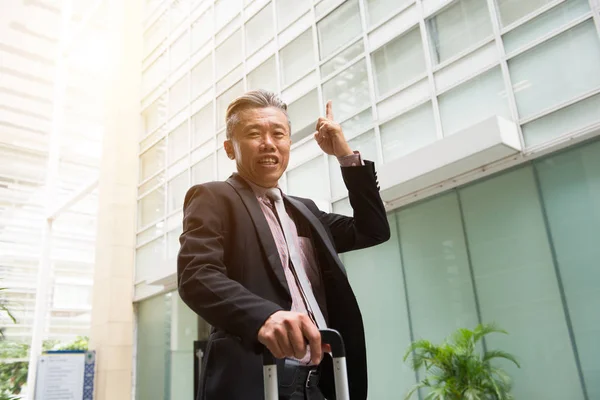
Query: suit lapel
{"points": [[262, 227], [317, 227]]}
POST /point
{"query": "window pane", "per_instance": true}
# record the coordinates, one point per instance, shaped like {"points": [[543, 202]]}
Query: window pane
{"points": [[259, 29], [580, 115], [151, 207], [151, 233], [179, 95], [379, 10], [304, 181], [297, 58], [349, 91], [513, 10], [399, 62], [472, 102], [342, 59], [264, 76], [176, 189], [155, 35], [288, 11], [180, 9], [517, 286], [154, 115], [235, 75], [306, 151], [148, 140], [225, 166], [155, 74], [339, 28], [303, 114], [152, 160], [229, 54], [224, 100], [180, 51], [172, 252], [569, 187], [357, 124], [179, 143], [458, 27], [366, 145], [225, 10], [202, 30], [408, 132], [149, 257], [322, 7], [202, 76], [556, 70], [203, 126], [545, 23], [203, 171], [387, 332], [145, 188]]}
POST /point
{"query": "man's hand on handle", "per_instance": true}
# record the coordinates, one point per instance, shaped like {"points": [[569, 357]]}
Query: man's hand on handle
{"points": [[285, 334]]}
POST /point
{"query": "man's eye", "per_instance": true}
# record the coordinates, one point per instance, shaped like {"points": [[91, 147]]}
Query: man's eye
{"points": [[279, 134]]}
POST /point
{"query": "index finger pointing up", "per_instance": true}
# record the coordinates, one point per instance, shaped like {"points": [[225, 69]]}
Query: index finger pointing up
{"points": [[329, 110]]}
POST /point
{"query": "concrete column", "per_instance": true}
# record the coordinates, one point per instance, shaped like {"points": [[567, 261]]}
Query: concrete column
{"points": [[112, 313]]}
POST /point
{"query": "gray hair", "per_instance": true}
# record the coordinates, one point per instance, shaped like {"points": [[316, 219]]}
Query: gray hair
{"points": [[259, 98]]}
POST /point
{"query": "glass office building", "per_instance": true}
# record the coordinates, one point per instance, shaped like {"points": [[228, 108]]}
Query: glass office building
{"points": [[517, 247], [50, 149], [482, 116]]}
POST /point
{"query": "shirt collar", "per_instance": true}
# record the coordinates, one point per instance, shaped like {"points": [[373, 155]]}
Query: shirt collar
{"points": [[259, 191]]}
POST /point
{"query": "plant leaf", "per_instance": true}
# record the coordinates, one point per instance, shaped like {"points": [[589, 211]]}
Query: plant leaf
{"points": [[415, 388], [485, 329], [489, 355], [419, 345], [438, 393], [472, 394], [7, 311]]}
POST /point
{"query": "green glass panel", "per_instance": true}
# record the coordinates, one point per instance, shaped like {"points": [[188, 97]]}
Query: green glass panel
{"points": [[152, 347], [570, 187], [517, 285], [376, 277], [440, 290], [185, 330]]}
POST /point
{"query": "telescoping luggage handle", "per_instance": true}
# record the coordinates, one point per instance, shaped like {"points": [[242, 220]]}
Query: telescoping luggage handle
{"points": [[328, 336]]}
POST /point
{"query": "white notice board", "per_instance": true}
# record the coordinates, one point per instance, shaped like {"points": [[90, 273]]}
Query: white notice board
{"points": [[65, 375]]}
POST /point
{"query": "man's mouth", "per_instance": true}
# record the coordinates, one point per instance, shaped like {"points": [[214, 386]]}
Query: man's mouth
{"points": [[268, 161]]}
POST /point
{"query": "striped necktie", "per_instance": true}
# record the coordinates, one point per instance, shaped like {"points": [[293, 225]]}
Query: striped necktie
{"points": [[295, 261]]}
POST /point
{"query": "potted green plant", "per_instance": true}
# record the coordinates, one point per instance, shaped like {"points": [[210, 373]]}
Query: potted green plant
{"points": [[456, 370]]}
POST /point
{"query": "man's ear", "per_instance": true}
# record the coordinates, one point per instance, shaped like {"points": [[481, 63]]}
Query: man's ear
{"points": [[228, 146]]}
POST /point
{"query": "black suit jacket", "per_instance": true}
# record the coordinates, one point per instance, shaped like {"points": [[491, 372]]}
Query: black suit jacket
{"points": [[229, 272]]}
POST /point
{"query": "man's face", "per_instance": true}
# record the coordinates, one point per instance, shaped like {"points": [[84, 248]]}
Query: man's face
{"points": [[260, 145]]}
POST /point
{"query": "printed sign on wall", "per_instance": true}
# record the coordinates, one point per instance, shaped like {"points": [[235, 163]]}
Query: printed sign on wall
{"points": [[65, 375]]}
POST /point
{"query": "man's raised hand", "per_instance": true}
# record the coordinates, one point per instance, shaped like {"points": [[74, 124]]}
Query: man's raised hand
{"points": [[329, 135]]}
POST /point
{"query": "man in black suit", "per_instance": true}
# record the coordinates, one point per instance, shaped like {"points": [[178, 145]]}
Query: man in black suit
{"points": [[263, 268]]}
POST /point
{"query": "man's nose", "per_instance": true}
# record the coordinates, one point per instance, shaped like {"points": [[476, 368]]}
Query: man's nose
{"points": [[267, 142]]}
